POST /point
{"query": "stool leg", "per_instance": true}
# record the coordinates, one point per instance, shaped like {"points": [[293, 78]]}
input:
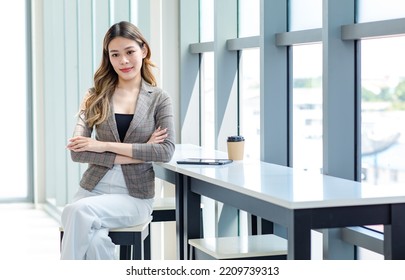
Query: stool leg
{"points": [[191, 255], [60, 243], [137, 248], [147, 247], [125, 252]]}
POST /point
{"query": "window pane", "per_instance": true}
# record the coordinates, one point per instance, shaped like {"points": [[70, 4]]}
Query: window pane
{"points": [[207, 101], [206, 20], [374, 10], [383, 111], [305, 14], [249, 100], [14, 132], [307, 107], [249, 18]]}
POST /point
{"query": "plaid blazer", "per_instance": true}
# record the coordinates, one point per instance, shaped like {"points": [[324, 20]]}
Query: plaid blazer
{"points": [[153, 109]]}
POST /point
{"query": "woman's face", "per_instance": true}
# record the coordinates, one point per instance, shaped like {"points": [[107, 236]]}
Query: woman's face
{"points": [[126, 57]]}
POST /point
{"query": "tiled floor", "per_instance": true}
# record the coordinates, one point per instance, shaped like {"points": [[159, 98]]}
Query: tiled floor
{"points": [[27, 233]]}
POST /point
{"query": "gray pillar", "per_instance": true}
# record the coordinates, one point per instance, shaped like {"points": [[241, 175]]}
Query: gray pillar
{"points": [[339, 109], [274, 89]]}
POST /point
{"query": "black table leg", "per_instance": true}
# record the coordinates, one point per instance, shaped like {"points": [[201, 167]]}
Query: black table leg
{"points": [[180, 215], [299, 236], [192, 216], [394, 241]]}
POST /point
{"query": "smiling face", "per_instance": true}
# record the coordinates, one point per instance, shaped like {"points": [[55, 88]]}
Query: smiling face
{"points": [[126, 57]]}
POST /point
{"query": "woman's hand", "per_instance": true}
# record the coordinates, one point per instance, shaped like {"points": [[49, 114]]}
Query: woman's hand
{"points": [[83, 144], [158, 136], [119, 159]]}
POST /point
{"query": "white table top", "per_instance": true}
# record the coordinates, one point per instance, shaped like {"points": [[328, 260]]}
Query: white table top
{"points": [[280, 185]]}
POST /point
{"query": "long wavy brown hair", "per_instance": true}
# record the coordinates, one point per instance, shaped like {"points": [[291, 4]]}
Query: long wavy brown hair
{"points": [[96, 106]]}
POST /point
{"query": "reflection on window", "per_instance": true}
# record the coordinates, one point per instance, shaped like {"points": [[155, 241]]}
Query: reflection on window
{"points": [[207, 101], [249, 18], [383, 112], [307, 107], [206, 20], [14, 141], [374, 10], [249, 100], [305, 14]]}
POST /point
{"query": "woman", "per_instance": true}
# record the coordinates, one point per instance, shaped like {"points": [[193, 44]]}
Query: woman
{"points": [[133, 123]]}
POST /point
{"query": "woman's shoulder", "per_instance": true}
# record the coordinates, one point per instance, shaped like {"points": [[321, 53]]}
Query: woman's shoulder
{"points": [[148, 87], [153, 90]]}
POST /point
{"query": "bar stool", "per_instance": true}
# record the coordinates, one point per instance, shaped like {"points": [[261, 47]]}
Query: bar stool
{"points": [[134, 241], [164, 210]]}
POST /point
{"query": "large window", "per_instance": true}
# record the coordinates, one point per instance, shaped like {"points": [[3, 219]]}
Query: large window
{"points": [[305, 14], [383, 111], [207, 101], [374, 10], [249, 79], [14, 140], [382, 114], [249, 18], [307, 107], [206, 20], [249, 102], [207, 98]]}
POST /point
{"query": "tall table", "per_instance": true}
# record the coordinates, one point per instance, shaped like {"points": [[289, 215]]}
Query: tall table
{"points": [[296, 199]]}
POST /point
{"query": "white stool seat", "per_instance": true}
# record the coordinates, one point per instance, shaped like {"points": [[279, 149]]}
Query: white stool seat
{"points": [[241, 247], [137, 228]]}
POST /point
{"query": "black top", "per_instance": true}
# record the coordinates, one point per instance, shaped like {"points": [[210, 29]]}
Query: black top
{"points": [[123, 121]]}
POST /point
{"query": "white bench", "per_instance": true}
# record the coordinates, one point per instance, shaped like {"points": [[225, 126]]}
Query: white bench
{"points": [[267, 246]]}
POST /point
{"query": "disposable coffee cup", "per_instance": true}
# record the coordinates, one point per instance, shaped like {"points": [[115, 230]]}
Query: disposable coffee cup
{"points": [[236, 147]]}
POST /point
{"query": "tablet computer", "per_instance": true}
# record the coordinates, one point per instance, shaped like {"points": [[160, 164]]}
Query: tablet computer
{"points": [[205, 161]]}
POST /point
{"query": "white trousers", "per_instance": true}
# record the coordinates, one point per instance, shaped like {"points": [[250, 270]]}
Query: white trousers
{"points": [[87, 219]]}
